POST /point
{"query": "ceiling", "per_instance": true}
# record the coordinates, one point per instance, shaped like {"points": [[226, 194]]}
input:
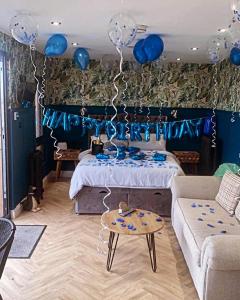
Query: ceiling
{"points": [[183, 24]]}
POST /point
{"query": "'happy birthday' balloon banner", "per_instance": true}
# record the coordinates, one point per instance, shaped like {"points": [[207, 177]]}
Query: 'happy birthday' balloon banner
{"points": [[170, 130]]}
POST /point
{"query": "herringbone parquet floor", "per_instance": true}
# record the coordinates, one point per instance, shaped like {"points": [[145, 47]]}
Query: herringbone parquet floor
{"points": [[65, 265]]}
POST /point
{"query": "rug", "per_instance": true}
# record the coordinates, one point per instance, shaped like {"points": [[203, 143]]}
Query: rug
{"points": [[25, 240]]}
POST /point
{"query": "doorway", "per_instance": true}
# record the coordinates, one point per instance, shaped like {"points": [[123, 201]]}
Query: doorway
{"points": [[4, 206]]}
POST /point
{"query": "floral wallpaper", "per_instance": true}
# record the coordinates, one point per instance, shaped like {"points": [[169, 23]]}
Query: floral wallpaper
{"points": [[156, 84], [19, 68], [170, 85]]}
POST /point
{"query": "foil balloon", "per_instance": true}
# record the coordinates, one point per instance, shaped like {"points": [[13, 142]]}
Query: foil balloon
{"points": [[56, 45], [24, 29], [185, 129], [122, 128], [122, 30], [81, 58], [207, 127], [235, 56], [197, 125], [74, 120], [135, 132], [46, 117], [110, 129], [139, 53], [146, 128], [99, 125], [153, 46], [53, 120]]}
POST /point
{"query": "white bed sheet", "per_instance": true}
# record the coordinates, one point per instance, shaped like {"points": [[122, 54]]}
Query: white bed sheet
{"points": [[125, 173]]}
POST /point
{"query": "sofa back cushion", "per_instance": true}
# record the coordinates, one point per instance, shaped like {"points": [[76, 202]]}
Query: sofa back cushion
{"points": [[237, 212], [229, 192]]}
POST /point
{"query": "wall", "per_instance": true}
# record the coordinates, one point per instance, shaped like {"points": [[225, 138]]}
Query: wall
{"points": [[174, 85], [19, 68]]}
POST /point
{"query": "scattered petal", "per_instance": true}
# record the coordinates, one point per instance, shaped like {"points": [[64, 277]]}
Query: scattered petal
{"points": [[220, 222], [223, 231], [120, 220], [210, 225]]}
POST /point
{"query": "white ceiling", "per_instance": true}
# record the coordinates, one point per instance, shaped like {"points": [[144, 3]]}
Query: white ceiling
{"points": [[182, 23]]}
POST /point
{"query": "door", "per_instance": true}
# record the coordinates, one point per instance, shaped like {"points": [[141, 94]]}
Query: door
{"points": [[4, 205]]}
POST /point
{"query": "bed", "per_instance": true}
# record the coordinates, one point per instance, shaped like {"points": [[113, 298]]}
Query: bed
{"points": [[141, 183]]}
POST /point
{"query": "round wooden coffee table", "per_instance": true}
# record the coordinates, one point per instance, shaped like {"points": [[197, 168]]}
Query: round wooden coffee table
{"points": [[140, 222]]}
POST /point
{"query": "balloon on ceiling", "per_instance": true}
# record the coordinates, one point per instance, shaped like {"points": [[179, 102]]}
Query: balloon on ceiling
{"points": [[235, 56], [122, 30], [149, 49], [56, 45], [81, 58], [236, 11], [24, 29]]}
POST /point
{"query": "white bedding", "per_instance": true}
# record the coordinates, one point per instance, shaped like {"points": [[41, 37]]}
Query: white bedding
{"points": [[125, 173]]}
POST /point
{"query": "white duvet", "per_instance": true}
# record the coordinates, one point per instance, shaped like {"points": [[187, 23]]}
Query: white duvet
{"points": [[125, 173]]}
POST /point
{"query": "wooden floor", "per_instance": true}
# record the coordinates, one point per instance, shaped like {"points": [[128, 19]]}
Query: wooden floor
{"points": [[66, 266]]}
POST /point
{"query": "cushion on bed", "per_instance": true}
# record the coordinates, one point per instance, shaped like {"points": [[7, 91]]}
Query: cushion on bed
{"points": [[153, 144]]}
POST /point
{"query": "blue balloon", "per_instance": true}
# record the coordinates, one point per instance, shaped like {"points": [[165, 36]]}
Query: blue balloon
{"points": [[56, 45], [135, 132], [46, 117], [122, 128], [81, 58], [153, 47], [235, 56], [139, 53]]}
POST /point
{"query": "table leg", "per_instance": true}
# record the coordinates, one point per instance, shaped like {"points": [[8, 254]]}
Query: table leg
{"points": [[58, 168], [111, 249], [152, 250]]}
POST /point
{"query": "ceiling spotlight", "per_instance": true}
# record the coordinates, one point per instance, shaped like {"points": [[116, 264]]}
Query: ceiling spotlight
{"points": [[178, 59], [74, 44], [56, 23], [222, 30], [194, 48]]}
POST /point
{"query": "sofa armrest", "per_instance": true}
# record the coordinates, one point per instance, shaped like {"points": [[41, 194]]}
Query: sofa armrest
{"points": [[221, 253], [196, 187]]}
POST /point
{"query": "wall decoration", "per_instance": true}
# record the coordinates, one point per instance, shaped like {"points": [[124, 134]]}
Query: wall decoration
{"points": [[180, 85]]}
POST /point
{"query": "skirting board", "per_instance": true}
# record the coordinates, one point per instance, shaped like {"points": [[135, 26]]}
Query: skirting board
{"points": [[65, 174], [16, 212]]}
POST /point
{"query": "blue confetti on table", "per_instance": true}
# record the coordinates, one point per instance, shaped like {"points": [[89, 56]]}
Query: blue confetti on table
{"points": [[223, 231], [194, 205], [120, 220], [130, 226], [200, 219], [159, 219], [141, 214], [124, 225], [220, 222]]}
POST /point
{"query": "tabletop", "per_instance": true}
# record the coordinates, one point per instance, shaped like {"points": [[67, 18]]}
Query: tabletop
{"points": [[139, 222]]}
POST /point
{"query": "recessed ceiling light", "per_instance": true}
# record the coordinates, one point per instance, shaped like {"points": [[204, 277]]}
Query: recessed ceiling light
{"points": [[222, 30], [194, 48], [178, 59], [74, 44], [56, 23]]}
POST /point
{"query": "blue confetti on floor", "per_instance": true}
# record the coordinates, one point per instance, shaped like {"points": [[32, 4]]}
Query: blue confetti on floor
{"points": [[220, 222], [200, 219], [207, 205], [223, 231], [124, 225], [200, 205], [194, 205]]}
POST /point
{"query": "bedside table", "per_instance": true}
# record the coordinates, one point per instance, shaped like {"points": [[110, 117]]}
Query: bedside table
{"points": [[189, 160], [67, 155]]}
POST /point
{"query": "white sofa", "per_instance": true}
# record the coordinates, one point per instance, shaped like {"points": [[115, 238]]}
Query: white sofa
{"points": [[208, 236]]}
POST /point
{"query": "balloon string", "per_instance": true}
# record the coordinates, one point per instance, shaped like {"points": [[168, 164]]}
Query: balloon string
{"points": [[104, 226], [41, 95], [125, 107], [213, 117]]}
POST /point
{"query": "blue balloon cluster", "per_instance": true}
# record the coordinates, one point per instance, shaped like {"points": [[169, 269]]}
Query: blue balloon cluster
{"points": [[170, 130], [57, 45], [149, 49]]}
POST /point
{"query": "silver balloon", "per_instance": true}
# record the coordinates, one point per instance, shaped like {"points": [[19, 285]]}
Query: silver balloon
{"points": [[217, 49], [236, 11], [234, 32], [122, 30], [24, 29]]}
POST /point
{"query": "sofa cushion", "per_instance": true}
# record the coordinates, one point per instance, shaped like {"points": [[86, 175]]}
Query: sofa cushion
{"points": [[229, 192], [205, 218], [237, 212]]}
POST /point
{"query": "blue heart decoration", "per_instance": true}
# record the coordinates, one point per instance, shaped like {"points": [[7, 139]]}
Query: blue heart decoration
{"points": [[102, 156], [56, 45], [81, 58], [159, 157], [137, 156]]}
